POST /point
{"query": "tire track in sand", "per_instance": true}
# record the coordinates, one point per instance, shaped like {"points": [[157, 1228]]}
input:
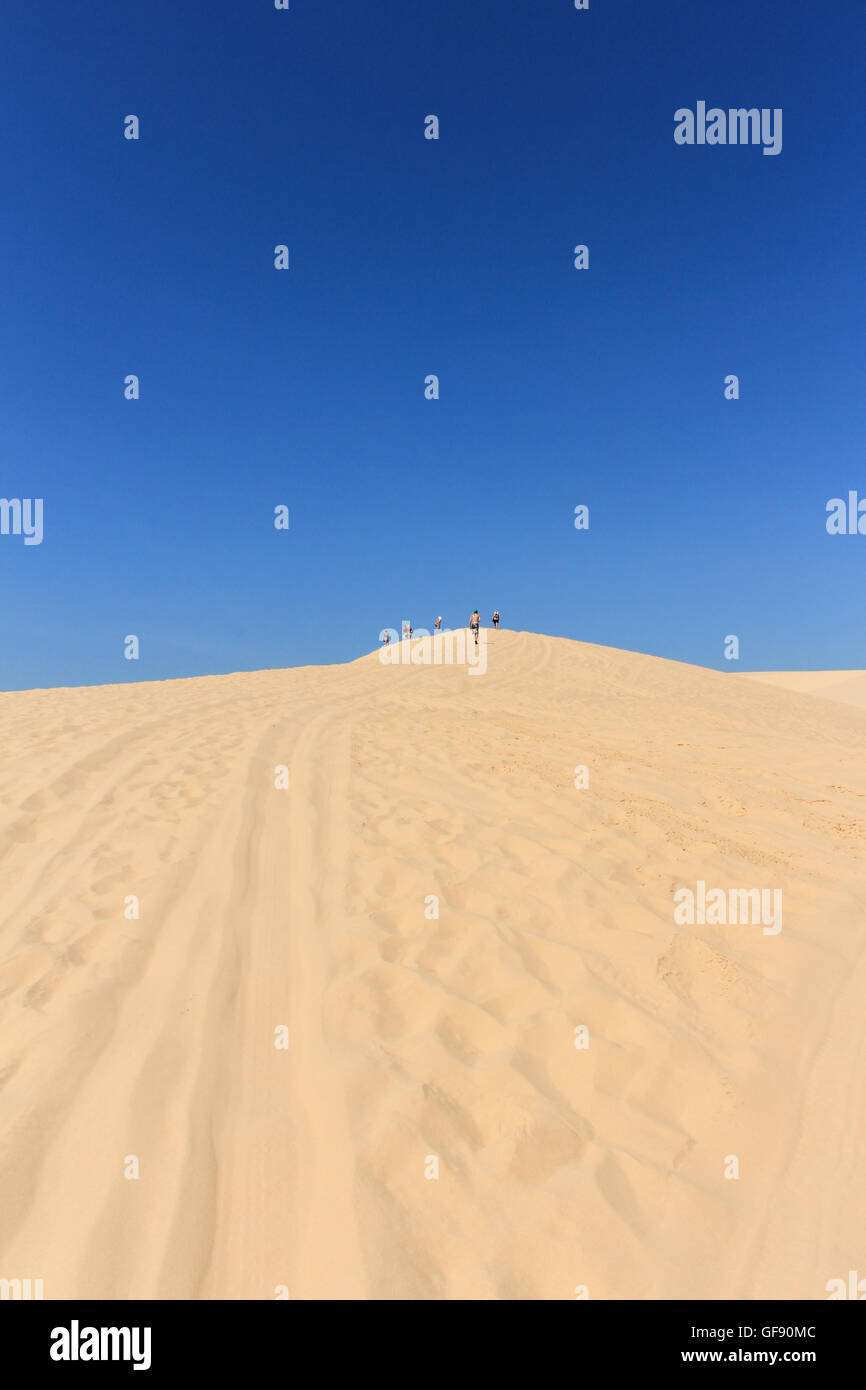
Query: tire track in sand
{"points": [[326, 1255], [285, 1207]]}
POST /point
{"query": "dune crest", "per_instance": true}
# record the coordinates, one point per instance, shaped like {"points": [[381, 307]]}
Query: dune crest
{"points": [[847, 686]]}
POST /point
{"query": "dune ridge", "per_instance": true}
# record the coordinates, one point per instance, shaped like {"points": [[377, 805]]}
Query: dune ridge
{"points": [[847, 686], [413, 1035]]}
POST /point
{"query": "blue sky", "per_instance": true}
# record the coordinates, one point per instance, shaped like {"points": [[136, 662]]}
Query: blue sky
{"points": [[409, 257]]}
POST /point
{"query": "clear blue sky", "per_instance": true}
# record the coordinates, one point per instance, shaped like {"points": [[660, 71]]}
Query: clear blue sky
{"points": [[410, 257]]}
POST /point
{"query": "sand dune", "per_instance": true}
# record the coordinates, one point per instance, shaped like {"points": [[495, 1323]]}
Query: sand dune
{"points": [[847, 686], [413, 1036]]}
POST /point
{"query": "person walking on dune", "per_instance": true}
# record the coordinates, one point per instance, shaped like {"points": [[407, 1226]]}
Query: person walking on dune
{"points": [[438, 624], [474, 624], [496, 619]]}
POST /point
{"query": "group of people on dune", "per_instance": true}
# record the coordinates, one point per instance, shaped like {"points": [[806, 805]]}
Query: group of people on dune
{"points": [[474, 623], [474, 626]]}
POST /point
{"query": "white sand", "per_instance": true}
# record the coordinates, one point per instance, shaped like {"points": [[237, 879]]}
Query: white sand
{"points": [[411, 1036]]}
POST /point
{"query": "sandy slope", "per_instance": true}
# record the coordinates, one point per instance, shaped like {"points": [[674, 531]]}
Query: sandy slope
{"points": [[411, 1036], [847, 686]]}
